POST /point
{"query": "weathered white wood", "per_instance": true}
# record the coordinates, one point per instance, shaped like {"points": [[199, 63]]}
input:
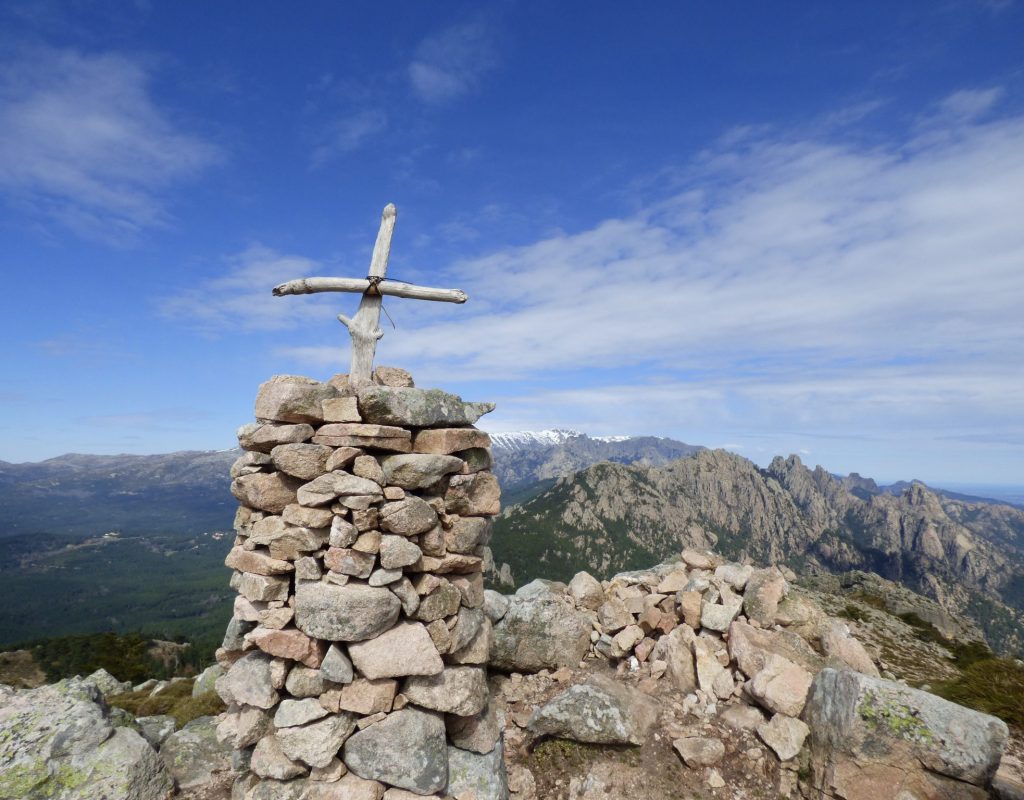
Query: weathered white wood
{"points": [[364, 327], [360, 285]]}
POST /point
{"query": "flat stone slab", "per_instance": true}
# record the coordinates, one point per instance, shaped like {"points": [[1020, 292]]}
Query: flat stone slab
{"points": [[405, 649], [418, 408], [360, 434], [418, 470]]}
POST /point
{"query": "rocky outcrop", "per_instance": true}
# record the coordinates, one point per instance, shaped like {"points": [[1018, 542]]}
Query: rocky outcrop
{"points": [[612, 515], [60, 741]]}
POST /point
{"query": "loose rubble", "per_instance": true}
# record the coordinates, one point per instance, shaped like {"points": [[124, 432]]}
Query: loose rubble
{"points": [[710, 665]]}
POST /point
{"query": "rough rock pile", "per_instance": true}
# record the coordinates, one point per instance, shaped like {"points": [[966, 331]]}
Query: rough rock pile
{"points": [[743, 654], [356, 657]]}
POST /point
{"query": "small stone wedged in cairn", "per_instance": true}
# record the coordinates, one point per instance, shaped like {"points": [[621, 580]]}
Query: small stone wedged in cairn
{"points": [[355, 661]]}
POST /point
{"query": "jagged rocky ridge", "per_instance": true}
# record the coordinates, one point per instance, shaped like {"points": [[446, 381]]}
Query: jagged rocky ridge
{"points": [[524, 458], [967, 556]]}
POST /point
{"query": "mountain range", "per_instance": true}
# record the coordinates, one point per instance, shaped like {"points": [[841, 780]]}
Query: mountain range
{"points": [[572, 502]]}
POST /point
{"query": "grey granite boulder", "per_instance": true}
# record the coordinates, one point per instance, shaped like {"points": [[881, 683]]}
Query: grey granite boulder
{"points": [[867, 731], [600, 711], [193, 755], [249, 682], [417, 408], [540, 631], [406, 749], [206, 682], [58, 741], [349, 613], [155, 729], [108, 684], [480, 776], [318, 742]]}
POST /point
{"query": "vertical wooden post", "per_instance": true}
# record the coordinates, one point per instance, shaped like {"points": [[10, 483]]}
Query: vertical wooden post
{"points": [[365, 325]]}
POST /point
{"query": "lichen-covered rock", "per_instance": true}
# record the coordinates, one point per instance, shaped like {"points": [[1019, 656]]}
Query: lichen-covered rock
{"points": [[301, 459], [108, 684], [476, 775], [473, 495], [600, 711], [544, 631], [58, 741], [479, 732], [265, 437], [407, 517], [417, 408], [156, 728], [207, 680], [867, 732], [406, 749], [194, 754]]}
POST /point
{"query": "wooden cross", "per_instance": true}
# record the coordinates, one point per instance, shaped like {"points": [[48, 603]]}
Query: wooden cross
{"points": [[364, 327]]}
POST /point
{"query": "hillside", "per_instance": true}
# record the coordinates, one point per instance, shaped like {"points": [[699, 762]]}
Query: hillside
{"points": [[611, 517]]}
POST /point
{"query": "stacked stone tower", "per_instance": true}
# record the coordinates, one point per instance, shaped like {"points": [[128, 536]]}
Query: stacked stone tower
{"points": [[356, 656]]}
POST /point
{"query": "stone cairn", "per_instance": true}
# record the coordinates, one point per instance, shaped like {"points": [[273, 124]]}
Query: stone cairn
{"points": [[356, 656]]}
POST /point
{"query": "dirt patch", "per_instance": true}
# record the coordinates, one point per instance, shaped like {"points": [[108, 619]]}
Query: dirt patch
{"points": [[19, 669]]}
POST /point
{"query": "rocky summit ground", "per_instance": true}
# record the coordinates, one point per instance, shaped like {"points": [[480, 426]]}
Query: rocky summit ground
{"points": [[697, 678]]}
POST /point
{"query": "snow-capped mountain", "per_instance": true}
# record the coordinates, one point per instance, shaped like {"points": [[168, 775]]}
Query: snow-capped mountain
{"points": [[523, 440], [526, 457]]}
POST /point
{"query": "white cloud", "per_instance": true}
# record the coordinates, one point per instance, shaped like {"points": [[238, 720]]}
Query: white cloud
{"points": [[816, 286], [241, 299], [349, 133], [451, 63], [83, 143]]}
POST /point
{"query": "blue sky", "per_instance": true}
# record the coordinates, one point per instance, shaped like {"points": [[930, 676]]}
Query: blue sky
{"points": [[777, 228]]}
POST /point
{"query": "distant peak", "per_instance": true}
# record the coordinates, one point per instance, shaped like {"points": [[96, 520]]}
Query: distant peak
{"points": [[516, 440]]}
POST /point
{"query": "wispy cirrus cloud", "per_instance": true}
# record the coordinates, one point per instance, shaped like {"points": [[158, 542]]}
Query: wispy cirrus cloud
{"points": [[241, 299], [84, 143], [452, 62], [348, 133]]}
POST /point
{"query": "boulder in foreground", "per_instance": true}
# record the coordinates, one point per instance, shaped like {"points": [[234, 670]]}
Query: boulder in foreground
{"points": [[872, 738]]}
